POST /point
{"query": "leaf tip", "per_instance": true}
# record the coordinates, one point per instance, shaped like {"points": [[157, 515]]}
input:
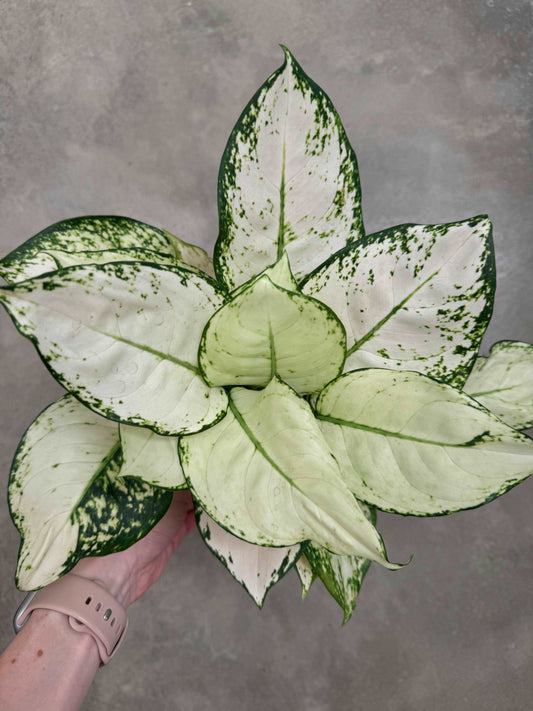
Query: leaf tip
{"points": [[289, 57]]}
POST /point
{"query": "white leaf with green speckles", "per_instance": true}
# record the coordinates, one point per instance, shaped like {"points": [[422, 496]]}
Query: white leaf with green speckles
{"points": [[267, 330], [413, 297], [151, 458], [288, 180], [305, 574], [124, 339], [342, 575], [266, 474], [190, 254], [256, 568], [66, 497], [408, 444], [503, 383], [80, 234]]}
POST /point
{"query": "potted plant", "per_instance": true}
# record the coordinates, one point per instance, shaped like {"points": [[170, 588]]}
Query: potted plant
{"points": [[305, 378]]}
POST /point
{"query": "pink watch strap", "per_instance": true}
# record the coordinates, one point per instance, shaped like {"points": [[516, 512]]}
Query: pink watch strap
{"points": [[90, 609]]}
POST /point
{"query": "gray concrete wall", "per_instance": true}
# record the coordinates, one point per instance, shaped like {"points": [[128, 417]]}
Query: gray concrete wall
{"points": [[124, 107]]}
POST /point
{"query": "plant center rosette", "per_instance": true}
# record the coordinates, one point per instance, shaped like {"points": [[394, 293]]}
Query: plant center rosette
{"points": [[306, 377]]}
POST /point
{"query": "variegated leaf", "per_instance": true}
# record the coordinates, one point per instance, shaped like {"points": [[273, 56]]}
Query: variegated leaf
{"points": [[266, 330], [305, 574], [190, 254], [503, 383], [124, 339], [80, 234], [408, 444], [151, 458], [266, 474], [67, 498], [288, 180], [413, 297], [256, 568], [342, 575]]}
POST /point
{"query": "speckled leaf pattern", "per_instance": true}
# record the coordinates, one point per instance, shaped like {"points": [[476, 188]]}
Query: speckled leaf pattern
{"points": [[305, 574], [190, 254], [413, 297], [503, 383], [267, 330], [288, 180], [124, 339], [408, 444], [256, 568], [80, 234], [266, 474], [151, 458], [342, 575], [66, 497]]}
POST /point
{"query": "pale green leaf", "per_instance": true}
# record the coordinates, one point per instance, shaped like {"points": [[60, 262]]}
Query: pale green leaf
{"points": [[266, 474], [256, 568], [503, 383], [67, 498], [80, 234], [151, 458], [190, 254], [408, 444], [279, 273], [413, 297], [342, 575], [124, 339], [305, 574], [288, 180], [266, 330]]}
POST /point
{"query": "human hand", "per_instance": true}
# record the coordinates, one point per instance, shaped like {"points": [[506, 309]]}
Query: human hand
{"points": [[128, 574]]}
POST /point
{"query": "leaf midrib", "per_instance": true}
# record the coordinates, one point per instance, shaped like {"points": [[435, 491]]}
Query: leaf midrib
{"points": [[398, 435], [495, 390], [257, 444], [152, 351], [103, 466], [145, 348], [396, 308], [388, 316]]}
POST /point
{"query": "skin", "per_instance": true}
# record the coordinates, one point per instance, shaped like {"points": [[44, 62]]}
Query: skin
{"points": [[49, 665]]}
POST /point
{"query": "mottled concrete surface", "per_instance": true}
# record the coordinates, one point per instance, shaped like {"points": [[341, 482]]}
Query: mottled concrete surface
{"points": [[124, 107]]}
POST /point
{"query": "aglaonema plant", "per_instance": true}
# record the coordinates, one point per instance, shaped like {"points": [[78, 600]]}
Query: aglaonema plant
{"points": [[306, 377]]}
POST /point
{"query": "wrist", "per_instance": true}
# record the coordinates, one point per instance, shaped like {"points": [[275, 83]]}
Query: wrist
{"points": [[50, 630], [108, 575]]}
